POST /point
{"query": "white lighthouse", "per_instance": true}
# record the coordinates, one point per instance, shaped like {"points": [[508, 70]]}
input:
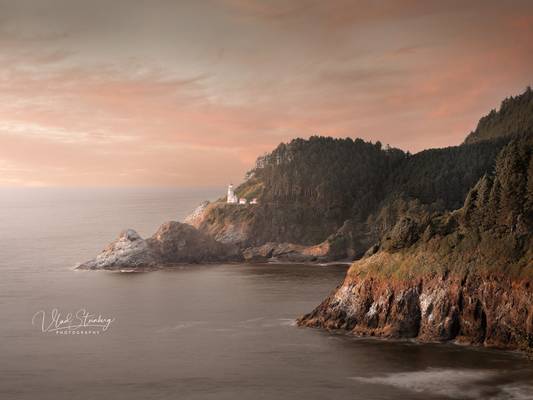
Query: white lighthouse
{"points": [[232, 199]]}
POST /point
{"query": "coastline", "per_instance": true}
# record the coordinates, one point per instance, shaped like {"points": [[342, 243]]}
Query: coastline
{"points": [[199, 264]]}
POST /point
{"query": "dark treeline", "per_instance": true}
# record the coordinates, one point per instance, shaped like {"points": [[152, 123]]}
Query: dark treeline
{"points": [[444, 175], [337, 177], [345, 178]]}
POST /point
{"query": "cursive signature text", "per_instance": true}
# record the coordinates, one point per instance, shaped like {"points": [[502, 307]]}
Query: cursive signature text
{"points": [[55, 321]]}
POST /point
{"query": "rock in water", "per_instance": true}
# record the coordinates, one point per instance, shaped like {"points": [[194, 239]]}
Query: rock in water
{"points": [[173, 243], [130, 250]]}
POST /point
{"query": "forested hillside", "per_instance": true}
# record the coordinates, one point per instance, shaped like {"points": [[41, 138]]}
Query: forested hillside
{"points": [[353, 194], [515, 116], [443, 175], [309, 189], [339, 178]]}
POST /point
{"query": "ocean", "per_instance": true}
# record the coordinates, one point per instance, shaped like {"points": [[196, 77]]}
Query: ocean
{"points": [[194, 332]]}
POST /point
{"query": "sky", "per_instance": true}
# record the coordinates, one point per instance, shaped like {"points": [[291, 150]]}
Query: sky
{"points": [[189, 93]]}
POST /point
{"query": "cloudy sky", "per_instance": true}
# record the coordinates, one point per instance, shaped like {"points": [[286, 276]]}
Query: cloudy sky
{"points": [[169, 93]]}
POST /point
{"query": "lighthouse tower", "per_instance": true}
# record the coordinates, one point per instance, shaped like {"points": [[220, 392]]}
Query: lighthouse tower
{"points": [[232, 199]]}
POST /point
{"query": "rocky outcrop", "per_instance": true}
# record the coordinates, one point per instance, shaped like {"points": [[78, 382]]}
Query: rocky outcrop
{"points": [[493, 310], [226, 223], [173, 243], [176, 242], [195, 218], [464, 276], [288, 252], [247, 227], [130, 250]]}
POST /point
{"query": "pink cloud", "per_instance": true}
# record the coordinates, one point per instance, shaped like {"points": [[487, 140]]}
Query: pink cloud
{"points": [[415, 75]]}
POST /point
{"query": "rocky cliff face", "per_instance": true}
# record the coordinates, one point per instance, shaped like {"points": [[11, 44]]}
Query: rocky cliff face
{"points": [[288, 252], [473, 307], [173, 243], [238, 225], [464, 276], [226, 223]]}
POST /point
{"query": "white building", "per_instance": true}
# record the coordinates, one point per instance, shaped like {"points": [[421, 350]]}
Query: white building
{"points": [[254, 201], [232, 198], [242, 200]]}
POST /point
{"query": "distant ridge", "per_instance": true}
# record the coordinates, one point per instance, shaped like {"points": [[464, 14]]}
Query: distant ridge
{"points": [[515, 116]]}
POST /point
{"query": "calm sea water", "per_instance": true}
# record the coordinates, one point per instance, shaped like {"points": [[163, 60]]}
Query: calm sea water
{"points": [[198, 332]]}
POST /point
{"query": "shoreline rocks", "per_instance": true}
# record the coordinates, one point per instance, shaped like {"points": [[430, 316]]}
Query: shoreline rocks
{"points": [[130, 250], [289, 252], [173, 243]]}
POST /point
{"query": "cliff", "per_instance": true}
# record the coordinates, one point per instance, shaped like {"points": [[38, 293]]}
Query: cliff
{"points": [[463, 276]]}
